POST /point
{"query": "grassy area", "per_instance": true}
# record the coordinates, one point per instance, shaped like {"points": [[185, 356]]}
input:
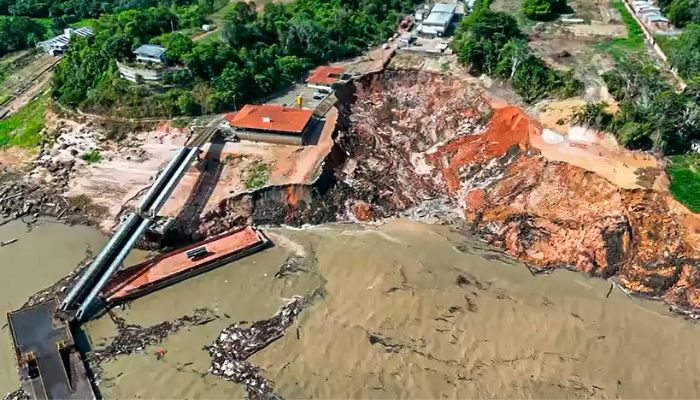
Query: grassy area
{"points": [[667, 43], [92, 156], [23, 128], [256, 175], [89, 22], [633, 43], [684, 171], [218, 16]]}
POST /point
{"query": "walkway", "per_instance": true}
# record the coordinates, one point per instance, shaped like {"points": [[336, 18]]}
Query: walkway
{"points": [[48, 362]]}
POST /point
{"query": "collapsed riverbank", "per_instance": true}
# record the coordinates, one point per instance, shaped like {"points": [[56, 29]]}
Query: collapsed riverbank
{"points": [[435, 147], [431, 147]]}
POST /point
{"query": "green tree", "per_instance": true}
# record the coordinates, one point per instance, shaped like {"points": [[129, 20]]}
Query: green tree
{"points": [[177, 46], [680, 12], [539, 10], [291, 67], [686, 56], [18, 33]]}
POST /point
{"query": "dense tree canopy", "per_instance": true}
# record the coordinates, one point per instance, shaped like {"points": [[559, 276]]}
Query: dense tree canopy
{"points": [[18, 33], [258, 53], [491, 42], [78, 8], [681, 12], [652, 114], [686, 52]]}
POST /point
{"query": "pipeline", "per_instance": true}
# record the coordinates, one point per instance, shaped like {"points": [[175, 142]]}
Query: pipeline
{"points": [[174, 179], [161, 180], [133, 228], [116, 262], [97, 263]]}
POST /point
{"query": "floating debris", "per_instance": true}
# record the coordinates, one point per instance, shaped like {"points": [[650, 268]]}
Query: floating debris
{"points": [[236, 343], [135, 338], [291, 266], [6, 242]]}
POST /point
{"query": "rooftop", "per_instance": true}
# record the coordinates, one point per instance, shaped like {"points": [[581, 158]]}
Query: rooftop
{"points": [[656, 18], [150, 50], [444, 7], [64, 38], [270, 117], [441, 14], [325, 74]]}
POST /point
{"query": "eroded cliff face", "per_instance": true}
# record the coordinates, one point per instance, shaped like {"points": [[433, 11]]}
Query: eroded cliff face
{"points": [[414, 136], [428, 145]]}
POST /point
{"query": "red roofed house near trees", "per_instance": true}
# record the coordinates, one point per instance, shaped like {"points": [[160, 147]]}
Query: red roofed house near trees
{"points": [[324, 77], [270, 123]]}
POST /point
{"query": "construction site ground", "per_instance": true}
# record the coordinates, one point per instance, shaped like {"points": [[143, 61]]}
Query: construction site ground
{"points": [[25, 82], [285, 165]]}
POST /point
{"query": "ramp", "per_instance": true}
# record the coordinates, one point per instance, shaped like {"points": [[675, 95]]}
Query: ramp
{"points": [[49, 365]]}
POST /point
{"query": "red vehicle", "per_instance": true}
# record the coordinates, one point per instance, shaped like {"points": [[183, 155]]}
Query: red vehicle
{"points": [[406, 23]]}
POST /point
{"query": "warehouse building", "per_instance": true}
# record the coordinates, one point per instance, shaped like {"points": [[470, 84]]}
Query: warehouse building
{"points": [[271, 123], [438, 21]]}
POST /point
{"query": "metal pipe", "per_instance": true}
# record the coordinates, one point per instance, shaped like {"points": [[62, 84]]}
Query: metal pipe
{"points": [[160, 179], [112, 268], [97, 262], [165, 193]]}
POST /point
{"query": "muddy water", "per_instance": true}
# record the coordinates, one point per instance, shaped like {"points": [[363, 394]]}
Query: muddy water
{"points": [[394, 322], [44, 253], [39, 258]]}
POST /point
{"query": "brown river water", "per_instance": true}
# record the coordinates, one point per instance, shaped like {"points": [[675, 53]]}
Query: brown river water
{"points": [[392, 322]]}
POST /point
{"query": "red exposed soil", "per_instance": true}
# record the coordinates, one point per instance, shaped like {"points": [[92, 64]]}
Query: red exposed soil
{"points": [[549, 214], [417, 142], [507, 127]]}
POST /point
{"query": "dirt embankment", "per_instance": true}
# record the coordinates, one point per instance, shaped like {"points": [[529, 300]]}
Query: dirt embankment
{"points": [[428, 142]]}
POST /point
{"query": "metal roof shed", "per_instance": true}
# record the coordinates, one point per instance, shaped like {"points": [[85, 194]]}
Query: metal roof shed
{"points": [[150, 52]]}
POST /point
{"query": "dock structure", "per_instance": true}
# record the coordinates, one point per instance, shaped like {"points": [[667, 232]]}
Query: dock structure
{"points": [[80, 299], [49, 364]]}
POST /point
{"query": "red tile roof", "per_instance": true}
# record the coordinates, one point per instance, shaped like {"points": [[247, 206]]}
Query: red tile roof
{"points": [[325, 75], [270, 117]]}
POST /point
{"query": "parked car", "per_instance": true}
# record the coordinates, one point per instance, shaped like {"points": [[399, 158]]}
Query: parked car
{"points": [[319, 96], [385, 46]]}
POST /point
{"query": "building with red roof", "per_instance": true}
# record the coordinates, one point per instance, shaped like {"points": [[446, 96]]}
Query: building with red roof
{"points": [[270, 123], [325, 76]]}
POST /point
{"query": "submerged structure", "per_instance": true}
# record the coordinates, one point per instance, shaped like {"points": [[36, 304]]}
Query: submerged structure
{"points": [[49, 364]]}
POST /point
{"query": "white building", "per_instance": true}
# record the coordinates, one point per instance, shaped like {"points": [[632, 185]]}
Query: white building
{"points": [[143, 69], [150, 53], [439, 20], [57, 45]]}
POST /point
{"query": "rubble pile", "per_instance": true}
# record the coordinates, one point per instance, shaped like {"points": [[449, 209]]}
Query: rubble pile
{"points": [[135, 338], [238, 342], [18, 394], [19, 199], [398, 118]]}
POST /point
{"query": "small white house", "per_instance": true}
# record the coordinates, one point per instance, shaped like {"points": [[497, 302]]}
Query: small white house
{"points": [[150, 53]]}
